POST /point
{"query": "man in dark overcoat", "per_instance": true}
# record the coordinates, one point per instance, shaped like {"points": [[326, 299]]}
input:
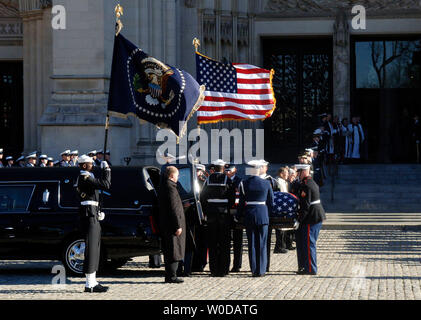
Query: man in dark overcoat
{"points": [[172, 224]]}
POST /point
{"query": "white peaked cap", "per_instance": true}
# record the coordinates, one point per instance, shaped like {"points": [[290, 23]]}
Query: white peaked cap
{"points": [[85, 159], [255, 163], [200, 167], [317, 131], [43, 156], [32, 155], [263, 162], [219, 162], [93, 152], [75, 152], [65, 152], [302, 166]]}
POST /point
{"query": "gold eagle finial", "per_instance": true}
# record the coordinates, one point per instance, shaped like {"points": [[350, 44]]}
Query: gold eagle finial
{"points": [[196, 43], [118, 13]]}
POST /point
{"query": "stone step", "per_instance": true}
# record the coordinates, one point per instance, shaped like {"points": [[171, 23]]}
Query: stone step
{"points": [[374, 195], [342, 188], [372, 219], [372, 208]]}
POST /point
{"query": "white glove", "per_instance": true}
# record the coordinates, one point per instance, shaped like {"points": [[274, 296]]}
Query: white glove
{"points": [[101, 216], [104, 165]]}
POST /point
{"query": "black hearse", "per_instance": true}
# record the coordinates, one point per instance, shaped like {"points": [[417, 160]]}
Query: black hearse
{"points": [[39, 214]]}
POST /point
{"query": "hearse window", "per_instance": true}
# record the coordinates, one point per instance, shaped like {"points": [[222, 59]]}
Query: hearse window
{"points": [[184, 181], [15, 198]]}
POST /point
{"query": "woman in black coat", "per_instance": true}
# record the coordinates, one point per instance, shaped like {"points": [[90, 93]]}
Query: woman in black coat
{"points": [[172, 224]]}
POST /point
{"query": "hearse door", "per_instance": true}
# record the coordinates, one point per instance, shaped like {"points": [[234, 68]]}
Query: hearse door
{"points": [[14, 208], [48, 224]]}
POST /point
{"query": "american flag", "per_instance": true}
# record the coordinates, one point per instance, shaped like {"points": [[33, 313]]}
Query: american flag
{"points": [[235, 91], [284, 204]]}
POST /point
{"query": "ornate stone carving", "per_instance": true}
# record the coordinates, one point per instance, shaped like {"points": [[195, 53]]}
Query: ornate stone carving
{"points": [[330, 7], [9, 9], [11, 29], [190, 3], [31, 5], [209, 29], [341, 64], [243, 32], [226, 30]]}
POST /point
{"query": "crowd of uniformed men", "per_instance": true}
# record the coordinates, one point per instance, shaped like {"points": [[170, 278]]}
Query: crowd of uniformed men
{"points": [[68, 159]]}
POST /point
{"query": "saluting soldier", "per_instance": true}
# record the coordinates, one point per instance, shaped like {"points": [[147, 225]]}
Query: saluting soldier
{"points": [[256, 201], [43, 160], [31, 160], [10, 162], [88, 190], [1, 158], [108, 157], [217, 199], [99, 157], [237, 234], [310, 216], [65, 159]]}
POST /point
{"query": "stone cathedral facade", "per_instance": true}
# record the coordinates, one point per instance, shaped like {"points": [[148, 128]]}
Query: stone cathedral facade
{"points": [[57, 94]]}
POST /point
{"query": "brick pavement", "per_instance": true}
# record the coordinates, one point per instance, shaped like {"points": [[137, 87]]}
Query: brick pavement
{"points": [[354, 263]]}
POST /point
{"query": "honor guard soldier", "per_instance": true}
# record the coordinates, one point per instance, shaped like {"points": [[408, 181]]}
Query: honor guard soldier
{"points": [[50, 162], [65, 159], [274, 184], [88, 190], [31, 160], [256, 201], [108, 157], [217, 198], [43, 160], [10, 162], [237, 234], [310, 216], [74, 156], [20, 162], [1, 158], [99, 157], [92, 154]]}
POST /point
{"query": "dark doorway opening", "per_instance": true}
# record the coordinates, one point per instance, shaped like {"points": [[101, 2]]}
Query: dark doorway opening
{"points": [[385, 92], [303, 90], [11, 107]]}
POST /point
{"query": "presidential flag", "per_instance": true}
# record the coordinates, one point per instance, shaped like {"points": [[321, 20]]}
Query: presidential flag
{"points": [[235, 91], [150, 89], [284, 205]]}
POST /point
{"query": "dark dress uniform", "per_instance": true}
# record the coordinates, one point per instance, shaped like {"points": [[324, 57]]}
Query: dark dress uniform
{"points": [[64, 163], [256, 201], [310, 215], [237, 234], [217, 198], [88, 190], [171, 218]]}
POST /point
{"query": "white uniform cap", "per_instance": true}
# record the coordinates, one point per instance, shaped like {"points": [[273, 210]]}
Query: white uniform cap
{"points": [[219, 162], [43, 156], [1, 151], [92, 152], [9, 158], [302, 166], [263, 162], [20, 158], [255, 163], [200, 167], [50, 159], [100, 151], [317, 131], [309, 150], [85, 159], [32, 155], [75, 152], [66, 152]]}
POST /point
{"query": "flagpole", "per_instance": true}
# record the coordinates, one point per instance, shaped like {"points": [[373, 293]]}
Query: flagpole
{"points": [[196, 44]]}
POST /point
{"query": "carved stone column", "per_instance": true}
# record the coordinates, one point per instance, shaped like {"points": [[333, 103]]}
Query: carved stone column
{"points": [[341, 66], [81, 59], [36, 67]]}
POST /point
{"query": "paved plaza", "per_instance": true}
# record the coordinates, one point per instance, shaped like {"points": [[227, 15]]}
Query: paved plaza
{"points": [[355, 262]]}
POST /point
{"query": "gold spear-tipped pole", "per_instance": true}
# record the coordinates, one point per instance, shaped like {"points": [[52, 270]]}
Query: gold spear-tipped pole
{"points": [[196, 44], [118, 13]]}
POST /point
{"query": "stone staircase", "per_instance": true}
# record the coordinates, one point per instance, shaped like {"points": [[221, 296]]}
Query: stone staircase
{"points": [[374, 195]]}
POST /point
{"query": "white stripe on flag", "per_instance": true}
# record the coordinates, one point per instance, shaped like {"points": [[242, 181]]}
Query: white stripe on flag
{"points": [[239, 96], [225, 112]]}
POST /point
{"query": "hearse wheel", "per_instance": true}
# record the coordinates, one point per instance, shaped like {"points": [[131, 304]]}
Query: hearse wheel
{"points": [[73, 256]]}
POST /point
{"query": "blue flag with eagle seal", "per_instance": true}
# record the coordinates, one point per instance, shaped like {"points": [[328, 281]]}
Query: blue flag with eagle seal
{"points": [[150, 89]]}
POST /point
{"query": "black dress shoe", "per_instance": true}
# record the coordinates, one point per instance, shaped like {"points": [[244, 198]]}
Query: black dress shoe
{"points": [[291, 248], [256, 275], [97, 288], [235, 270], [176, 280], [304, 272]]}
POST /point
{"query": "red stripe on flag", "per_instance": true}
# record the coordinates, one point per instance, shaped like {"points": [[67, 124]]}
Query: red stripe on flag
{"points": [[245, 111], [242, 101], [252, 71], [308, 247], [253, 81], [254, 91], [221, 117]]}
